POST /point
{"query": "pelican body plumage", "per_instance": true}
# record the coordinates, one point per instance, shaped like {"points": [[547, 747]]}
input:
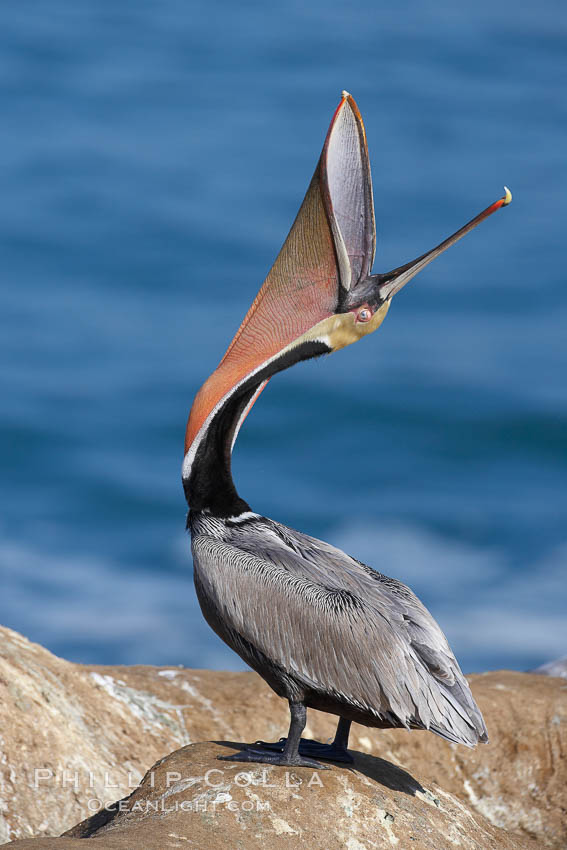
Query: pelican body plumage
{"points": [[324, 630]]}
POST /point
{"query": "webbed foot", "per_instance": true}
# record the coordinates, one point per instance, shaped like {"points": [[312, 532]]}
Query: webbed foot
{"points": [[268, 756], [307, 747]]}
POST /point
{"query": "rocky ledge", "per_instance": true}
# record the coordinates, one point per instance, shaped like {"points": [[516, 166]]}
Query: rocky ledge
{"points": [[76, 738]]}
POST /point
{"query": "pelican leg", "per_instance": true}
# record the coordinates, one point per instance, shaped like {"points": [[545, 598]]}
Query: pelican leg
{"points": [[289, 753], [335, 751]]}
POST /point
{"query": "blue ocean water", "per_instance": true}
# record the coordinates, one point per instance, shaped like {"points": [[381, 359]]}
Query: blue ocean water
{"points": [[153, 158]]}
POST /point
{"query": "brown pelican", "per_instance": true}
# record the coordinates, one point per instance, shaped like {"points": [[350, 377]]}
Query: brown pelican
{"points": [[324, 630]]}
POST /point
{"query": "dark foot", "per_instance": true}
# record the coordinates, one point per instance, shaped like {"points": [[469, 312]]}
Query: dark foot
{"points": [[307, 747], [265, 756]]}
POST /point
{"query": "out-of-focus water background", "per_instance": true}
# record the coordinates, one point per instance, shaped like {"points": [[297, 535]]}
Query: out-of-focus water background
{"points": [[153, 158]]}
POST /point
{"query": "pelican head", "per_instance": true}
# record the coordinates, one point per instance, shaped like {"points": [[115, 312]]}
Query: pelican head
{"points": [[319, 296]]}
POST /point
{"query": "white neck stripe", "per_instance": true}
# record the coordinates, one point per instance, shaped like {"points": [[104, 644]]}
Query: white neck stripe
{"points": [[243, 517]]}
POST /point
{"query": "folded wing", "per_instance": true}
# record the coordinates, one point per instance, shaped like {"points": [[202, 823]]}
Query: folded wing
{"points": [[340, 628]]}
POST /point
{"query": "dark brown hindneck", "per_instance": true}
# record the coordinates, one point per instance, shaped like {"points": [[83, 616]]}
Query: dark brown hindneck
{"points": [[210, 485]]}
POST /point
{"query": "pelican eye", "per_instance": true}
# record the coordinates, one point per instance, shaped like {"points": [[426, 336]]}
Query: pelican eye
{"points": [[364, 314]]}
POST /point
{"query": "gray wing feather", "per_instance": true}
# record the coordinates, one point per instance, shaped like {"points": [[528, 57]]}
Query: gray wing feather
{"points": [[339, 627]]}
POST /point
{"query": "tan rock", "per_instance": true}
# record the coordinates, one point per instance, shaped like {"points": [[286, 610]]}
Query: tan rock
{"points": [[191, 799], [75, 735]]}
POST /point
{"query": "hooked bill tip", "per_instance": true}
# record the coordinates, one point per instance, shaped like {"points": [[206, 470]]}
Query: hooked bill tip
{"points": [[507, 196]]}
